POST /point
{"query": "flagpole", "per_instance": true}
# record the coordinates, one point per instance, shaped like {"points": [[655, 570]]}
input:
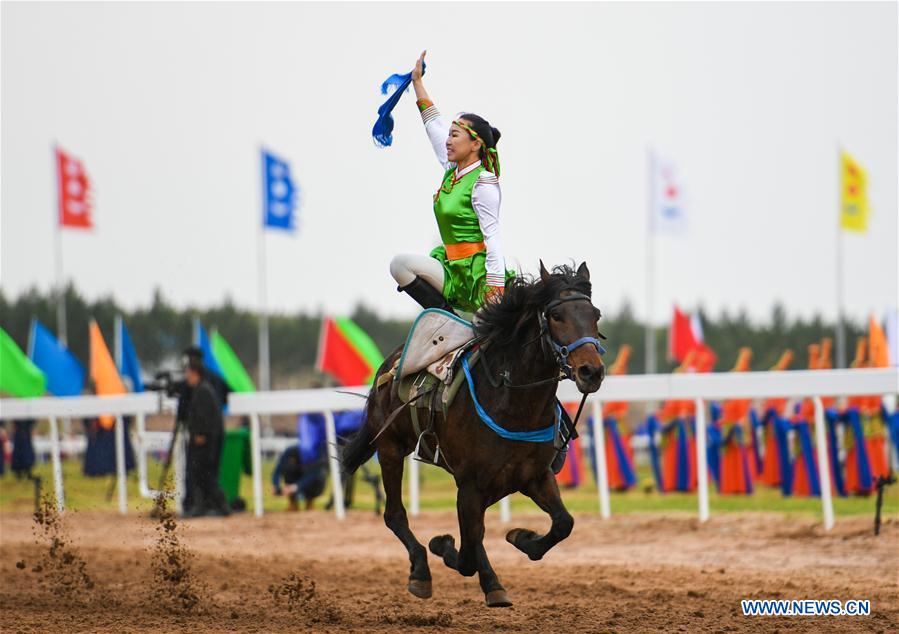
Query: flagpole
{"points": [[650, 335], [117, 344], [60, 290], [264, 377], [840, 338]]}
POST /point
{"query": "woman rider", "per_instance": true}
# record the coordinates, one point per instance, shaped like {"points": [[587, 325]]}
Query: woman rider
{"points": [[468, 269]]}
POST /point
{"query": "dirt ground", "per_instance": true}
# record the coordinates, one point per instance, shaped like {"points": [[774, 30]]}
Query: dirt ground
{"points": [[308, 571]]}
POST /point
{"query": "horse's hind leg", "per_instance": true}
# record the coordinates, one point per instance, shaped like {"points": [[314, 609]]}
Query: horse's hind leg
{"points": [[395, 517], [545, 493]]}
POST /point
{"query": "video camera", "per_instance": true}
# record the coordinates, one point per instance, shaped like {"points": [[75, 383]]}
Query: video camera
{"points": [[170, 384]]}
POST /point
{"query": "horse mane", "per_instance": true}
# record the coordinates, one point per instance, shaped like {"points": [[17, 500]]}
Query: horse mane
{"points": [[501, 322]]}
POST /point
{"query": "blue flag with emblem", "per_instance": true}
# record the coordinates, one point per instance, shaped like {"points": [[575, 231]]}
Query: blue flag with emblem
{"points": [[129, 365], [280, 193], [65, 375]]}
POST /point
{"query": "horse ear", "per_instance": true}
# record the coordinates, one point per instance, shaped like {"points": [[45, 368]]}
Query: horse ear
{"points": [[544, 274], [583, 271]]}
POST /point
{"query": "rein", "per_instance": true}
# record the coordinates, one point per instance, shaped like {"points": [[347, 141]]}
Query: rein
{"points": [[560, 353]]}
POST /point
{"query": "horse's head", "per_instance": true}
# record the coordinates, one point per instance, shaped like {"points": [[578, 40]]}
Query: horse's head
{"points": [[570, 326]]}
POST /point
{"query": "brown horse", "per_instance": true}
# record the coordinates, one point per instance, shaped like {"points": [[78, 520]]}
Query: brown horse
{"points": [[536, 331]]}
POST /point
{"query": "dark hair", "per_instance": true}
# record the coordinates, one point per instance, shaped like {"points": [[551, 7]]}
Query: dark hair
{"points": [[489, 135], [196, 365], [501, 321]]}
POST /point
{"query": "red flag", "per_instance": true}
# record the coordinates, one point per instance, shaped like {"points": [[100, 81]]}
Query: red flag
{"points": [[680, 336], [341, 353], [683, 338], [74, 192]]}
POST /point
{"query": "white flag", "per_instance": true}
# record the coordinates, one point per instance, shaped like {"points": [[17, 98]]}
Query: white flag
{"points": [[696, 327], [893, 336], [667, 209]]}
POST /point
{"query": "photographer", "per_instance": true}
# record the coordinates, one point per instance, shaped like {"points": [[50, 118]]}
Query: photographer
{"points": [[206, 428], [182, 390]]}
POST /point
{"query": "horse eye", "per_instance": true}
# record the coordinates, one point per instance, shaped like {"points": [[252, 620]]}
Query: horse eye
{"points": [[555, 316]]}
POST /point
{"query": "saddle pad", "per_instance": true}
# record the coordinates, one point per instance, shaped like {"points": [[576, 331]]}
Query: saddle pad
{"points": [[443, 367], [434, 334]]}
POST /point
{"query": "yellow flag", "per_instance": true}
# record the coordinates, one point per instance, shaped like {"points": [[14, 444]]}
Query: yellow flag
{"points": [[854, 195]]}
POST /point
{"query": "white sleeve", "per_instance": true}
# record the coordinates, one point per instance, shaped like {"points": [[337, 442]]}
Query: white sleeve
{"points": [[438, 132], [485, 199]]}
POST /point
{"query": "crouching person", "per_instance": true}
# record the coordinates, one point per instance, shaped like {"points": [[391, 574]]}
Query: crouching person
{"points": [[303, 481]]}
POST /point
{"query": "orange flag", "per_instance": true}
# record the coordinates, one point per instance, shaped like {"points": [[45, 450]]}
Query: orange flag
{"points": [[103, 371], [878, 351]]}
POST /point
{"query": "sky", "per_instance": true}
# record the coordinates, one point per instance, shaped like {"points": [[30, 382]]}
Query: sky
{"points": [[168, 105]]}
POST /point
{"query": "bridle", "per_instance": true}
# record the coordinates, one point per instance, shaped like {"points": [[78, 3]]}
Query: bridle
{"points": [[561, 352]]}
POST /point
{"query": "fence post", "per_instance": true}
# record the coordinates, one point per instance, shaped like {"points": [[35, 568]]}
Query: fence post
{"points": [[336, 482], [57, 465], [256, 456], [142, 477], [599, 459], [120, 467], [505, 509], [179, 461], [823, 463], [413, 486], [702, 466]]}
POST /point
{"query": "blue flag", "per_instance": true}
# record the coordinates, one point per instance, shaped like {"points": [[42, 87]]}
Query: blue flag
{"points": [[382, 131], [209, 359], [280, 193], [65, 375], [129, 364]]}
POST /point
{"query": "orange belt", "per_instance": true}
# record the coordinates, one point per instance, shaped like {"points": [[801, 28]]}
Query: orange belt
{"points": [[463, 250]]}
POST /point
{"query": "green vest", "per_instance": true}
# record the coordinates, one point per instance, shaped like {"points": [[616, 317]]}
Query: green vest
{"points": [[456, 218]]}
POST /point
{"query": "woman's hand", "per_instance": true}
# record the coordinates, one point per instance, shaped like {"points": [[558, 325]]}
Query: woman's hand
{"points": [[417, 71]]}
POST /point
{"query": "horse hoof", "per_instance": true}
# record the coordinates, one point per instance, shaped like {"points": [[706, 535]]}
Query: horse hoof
{"points": [[513, 534], [420, 589], [498, 599], [438, 544]]}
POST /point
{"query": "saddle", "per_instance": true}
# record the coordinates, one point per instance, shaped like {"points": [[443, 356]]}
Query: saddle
{"points": [[425, 376], [435, 336]]}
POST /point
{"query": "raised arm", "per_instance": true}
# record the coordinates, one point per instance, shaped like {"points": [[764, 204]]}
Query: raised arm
{"points": [[435, 127], [485, 199]]}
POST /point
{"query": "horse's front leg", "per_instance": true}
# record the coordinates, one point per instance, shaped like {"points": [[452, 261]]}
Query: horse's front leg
{"points": [[470, 509], [545, 492], [471, 556]]}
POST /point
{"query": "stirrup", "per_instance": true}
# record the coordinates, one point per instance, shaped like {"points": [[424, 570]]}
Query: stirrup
{"points": [[416, 455]]}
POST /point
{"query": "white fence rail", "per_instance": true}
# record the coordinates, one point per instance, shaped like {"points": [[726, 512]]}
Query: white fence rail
{"points": [[698, 387]]}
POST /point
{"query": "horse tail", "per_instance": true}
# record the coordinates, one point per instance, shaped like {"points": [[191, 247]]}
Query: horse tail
{"points": [[359, 448]]}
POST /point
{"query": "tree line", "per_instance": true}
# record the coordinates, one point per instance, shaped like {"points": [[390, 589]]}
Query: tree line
{"points": [[160, 331]]}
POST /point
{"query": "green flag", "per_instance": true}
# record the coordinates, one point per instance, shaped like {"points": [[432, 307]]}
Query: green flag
{"points": [[18, 375], [232, 369]]}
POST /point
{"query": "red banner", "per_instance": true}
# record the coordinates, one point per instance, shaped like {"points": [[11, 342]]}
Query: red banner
{"points": [[683, 340], [74, 192], [338, 357]]}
